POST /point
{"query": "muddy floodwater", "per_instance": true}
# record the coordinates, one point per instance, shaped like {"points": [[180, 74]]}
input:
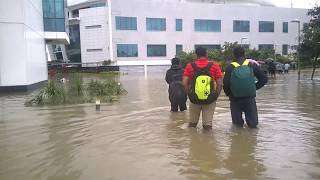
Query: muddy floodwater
{"points": [[138, 138]]}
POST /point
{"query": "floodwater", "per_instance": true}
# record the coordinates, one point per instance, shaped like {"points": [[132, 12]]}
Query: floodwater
{"points": [[138, 138]]}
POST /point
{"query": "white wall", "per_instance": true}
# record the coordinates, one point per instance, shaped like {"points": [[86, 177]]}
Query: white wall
{"points": [[188, 37], [22, 46], [94, 38]]}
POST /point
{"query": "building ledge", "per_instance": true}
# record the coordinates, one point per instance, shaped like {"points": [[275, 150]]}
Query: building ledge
{"points": [[56, 38], [143, 62], [21, 88]]}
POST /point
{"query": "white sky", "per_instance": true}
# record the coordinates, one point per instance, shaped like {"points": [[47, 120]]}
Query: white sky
{"points": [[296, 3], [280, 3]]}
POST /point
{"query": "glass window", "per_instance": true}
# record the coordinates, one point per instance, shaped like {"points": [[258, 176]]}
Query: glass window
{"points": [[59, 8], [178, 24], [127, 50], [241, 26], [266, 47], [285, 49], [98, 5], [156, 24], [126, 23], [202, 25], [285, 27], [156, 50], [179, 48], [53, 15], [48, 9], [266, 26], [208, 46], [60, 26]]}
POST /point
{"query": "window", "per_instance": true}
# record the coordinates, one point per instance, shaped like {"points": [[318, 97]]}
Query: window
{"points": [[178, 24], [156, 50], [285, 27], [208, 46], [94, 50], [53, 15], [156, 24], [201, 25], [126, 23], [127, 50], [93, 27], [265, 47], [179, 48], [285, 49], [98, 5], [266, 26], [241, 26]]}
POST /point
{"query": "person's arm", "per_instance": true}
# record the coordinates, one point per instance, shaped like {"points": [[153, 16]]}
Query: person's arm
{"points": [[185, 83], [186, 77], [168, 79], [226, 81], [262, 78], [218, 88]]}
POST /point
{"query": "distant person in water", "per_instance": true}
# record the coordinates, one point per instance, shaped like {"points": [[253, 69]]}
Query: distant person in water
{"points": [[240, 85], [177, 94]]}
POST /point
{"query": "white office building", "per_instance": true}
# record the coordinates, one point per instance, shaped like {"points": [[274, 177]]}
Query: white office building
{"points": [[27, 29], [151, 32]]}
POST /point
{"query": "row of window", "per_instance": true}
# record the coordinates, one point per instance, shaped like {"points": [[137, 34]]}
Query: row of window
{"points": [[200, 25], [159, 50]]}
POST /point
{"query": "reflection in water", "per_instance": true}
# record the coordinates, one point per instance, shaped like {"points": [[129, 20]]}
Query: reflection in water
{"points": [[241, 159], [138, 138], [66, 128]]}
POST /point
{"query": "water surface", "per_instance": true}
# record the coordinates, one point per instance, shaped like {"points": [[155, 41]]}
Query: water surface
{"points": [[138, 138]]}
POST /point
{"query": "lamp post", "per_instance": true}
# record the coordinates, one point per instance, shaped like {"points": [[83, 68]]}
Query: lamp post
{"points": [[275, 52], [242, 39], [299, 30]]}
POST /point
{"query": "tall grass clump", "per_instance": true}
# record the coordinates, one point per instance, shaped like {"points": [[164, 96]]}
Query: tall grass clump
{"points": [[75, 91]]}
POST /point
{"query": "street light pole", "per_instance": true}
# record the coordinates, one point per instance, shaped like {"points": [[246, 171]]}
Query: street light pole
{"points": [[275, 52], [299, 39]]}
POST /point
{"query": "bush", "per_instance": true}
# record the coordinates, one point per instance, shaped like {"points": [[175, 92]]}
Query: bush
{"points": [[75, 91]]}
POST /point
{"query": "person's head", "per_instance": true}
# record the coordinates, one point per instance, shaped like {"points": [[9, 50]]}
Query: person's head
{"points": [[175, 61], [201, 52], [239, 52]]}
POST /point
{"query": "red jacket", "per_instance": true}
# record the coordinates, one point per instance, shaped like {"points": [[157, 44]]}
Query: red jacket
{"points": [[215, 70]]}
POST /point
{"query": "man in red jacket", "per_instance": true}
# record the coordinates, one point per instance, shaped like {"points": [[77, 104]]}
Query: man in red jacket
{"points": [[207, 110]]}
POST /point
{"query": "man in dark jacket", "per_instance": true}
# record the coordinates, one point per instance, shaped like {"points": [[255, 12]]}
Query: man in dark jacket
{"points": [[177, 94], [242, 94]]}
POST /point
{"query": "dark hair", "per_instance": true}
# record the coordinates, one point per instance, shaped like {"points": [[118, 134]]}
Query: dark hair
{"points": [[238, 52], [175, 61], [201, 52]]}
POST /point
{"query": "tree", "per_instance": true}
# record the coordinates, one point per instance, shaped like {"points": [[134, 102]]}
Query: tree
{"points": [[309, 49], [186, 57]]}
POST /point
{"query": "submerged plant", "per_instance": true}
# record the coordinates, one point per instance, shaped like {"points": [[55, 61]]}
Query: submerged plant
{"points": [[75, 90]]}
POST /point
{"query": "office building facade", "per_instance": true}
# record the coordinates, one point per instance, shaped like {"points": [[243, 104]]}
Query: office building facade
{"points": [[26, 28], [154, 31]]}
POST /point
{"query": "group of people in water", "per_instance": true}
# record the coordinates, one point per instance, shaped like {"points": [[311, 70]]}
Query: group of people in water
{"points": [[202, 82]]}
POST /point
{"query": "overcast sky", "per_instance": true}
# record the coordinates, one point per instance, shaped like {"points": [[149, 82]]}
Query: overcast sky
{"points": [[280, 3]]}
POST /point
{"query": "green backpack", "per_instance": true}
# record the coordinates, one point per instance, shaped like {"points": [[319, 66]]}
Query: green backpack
{"points": [[202, 85], [242, 82]]}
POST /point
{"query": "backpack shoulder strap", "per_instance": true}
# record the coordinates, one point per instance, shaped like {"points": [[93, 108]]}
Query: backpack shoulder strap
{"points": [[235, 64], [208, 67], [245, 62], [195, 67]]}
